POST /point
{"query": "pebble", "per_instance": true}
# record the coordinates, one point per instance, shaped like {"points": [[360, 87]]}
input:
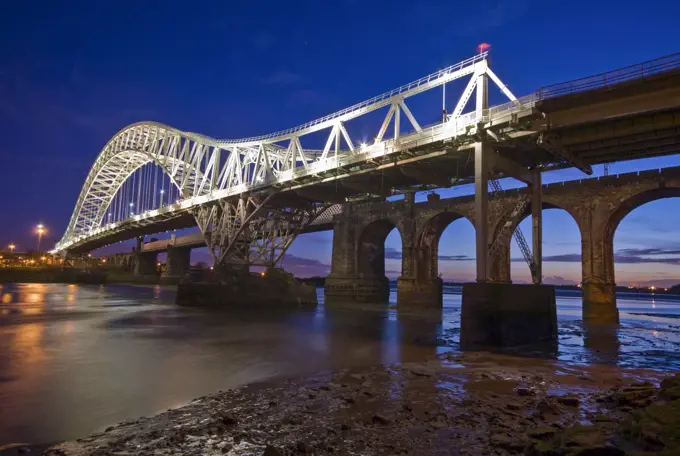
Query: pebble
{"points": [[380, 419], [272, 451], [524, 392], [569, 401], [229, 419]]}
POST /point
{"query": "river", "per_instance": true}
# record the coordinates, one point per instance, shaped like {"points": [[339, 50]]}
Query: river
{"points": [[74, 359]]}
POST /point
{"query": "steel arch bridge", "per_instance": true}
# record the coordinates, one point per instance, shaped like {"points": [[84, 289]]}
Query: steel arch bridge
{"points": [[244, 194]]}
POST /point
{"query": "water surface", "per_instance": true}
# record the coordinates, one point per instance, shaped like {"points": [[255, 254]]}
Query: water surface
{"points": [[74, 359]]}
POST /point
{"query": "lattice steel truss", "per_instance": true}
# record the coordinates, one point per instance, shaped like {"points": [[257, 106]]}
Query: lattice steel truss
{"points": [[249, 232], [222, 182]]}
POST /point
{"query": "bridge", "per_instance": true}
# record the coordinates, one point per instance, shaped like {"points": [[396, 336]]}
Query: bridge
{"points": [[251, 197]]}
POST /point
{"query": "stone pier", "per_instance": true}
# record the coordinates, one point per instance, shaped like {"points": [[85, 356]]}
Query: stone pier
{"points": [[146, 263], [177, 263], [275, 289], [501, 314]]}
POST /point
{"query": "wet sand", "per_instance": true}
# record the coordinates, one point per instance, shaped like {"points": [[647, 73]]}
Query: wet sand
{"points": [[454, 404]]}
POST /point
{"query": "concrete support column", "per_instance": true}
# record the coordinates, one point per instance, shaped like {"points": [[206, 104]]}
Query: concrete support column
{"points": [[419, 284], [597, 257], [482, 210], [537, 225], [178, 262], [344, 283], [500, 264], [145, 263]]}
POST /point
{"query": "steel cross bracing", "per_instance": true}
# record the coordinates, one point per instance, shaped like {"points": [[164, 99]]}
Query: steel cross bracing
{"points": [[512, 221], [222, 182]]}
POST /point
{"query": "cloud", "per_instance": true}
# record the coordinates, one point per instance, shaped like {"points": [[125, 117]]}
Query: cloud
{"points": [[492, 16], [394, 254], [307, 97], [648, 251], [558, 280], [565, 258], [624, 256], [305, 267], [282, 78], [262, 41]]}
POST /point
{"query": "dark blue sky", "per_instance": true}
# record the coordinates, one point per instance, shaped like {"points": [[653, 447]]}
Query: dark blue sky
{"points": [[73, 73]]}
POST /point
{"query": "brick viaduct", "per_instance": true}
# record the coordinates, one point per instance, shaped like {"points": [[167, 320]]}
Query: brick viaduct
{"points": [[597, 206]]}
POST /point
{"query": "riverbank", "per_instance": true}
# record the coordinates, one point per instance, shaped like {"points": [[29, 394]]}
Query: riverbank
{"points": [[456, 404]]}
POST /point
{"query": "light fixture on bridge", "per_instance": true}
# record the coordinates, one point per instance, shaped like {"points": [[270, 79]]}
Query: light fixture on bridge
{"points": [[162, 191], [132, 204]]}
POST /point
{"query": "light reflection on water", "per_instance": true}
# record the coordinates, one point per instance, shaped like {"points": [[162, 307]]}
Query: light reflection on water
{"points": [[74, 359]]}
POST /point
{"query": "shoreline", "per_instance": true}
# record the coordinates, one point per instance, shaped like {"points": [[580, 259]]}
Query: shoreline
{"points": [[417, 408]]}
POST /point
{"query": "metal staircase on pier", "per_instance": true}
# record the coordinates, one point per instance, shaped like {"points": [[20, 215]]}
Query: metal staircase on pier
{"points": [[506, 231]]}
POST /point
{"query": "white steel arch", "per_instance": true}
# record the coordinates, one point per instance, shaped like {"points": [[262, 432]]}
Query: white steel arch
{"points": [[209, 172]]}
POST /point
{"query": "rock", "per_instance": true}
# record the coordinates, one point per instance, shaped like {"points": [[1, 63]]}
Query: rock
{"points": [[569, 401], [344, 427], [109, 429], [358, 377], [229, 420], [420, 374], [634, 396], [272, 451], [656, 427], [584, 438], [294, 420], [670, 382], [380, 419], [524, 391], [23, 450], [513, 406], [507, 442], [542, 432], [304, 447], [545, 406]]}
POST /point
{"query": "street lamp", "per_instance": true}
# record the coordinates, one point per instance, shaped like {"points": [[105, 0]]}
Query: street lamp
{"points": [[12, 247], [40, 230]]}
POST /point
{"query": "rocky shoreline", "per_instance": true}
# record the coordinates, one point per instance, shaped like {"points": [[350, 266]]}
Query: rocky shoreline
{"points": [[436, 408]]}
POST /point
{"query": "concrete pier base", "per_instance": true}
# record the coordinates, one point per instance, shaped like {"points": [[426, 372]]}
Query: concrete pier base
{"points": [[177, 264], [145, 263], [502, 315], [343, 289], [599, 303], [420, 293], [276, 288]]}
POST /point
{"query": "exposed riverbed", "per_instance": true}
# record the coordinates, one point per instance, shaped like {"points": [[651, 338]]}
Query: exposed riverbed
{"points": [[76, 359]]}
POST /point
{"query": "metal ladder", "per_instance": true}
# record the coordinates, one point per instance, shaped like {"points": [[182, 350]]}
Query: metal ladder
{"points": [[506, 232]]}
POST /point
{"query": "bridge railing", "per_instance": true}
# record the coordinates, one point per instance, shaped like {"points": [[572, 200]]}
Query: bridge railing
{"points": [[638, 71], [363, 104]]}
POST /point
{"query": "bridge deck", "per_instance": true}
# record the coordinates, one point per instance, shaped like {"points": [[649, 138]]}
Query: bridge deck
{"points": [[635, 117]]}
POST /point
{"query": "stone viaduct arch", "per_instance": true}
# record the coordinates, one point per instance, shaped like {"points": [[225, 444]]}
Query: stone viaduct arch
{"points": [[597, 206]]}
